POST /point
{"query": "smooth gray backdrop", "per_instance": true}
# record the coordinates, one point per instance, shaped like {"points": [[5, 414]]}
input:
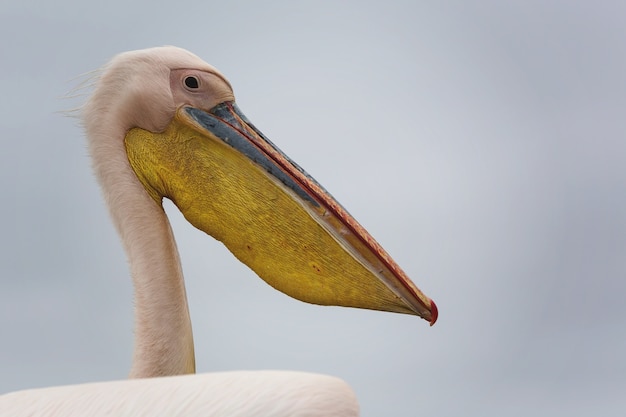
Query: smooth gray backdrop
{"points": [[483, 145]]}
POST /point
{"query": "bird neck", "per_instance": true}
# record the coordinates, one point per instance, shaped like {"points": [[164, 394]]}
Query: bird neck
{"points": [[163, 335]]}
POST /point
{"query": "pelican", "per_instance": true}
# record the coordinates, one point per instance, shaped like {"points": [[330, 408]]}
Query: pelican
{"points": [[162, 123]]}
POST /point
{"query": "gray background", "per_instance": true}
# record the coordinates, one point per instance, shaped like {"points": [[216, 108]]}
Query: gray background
{"points": [[482, 145]]}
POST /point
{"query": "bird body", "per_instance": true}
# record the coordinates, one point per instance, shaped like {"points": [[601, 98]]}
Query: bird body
{"points": [[162, 123], [220, 394]]}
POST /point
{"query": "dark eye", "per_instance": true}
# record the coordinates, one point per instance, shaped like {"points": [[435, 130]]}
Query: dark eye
{"points": [[192, 82]]}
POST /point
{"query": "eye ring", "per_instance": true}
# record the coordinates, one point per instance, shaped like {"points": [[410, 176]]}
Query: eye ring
{"points": [[191, 82]]}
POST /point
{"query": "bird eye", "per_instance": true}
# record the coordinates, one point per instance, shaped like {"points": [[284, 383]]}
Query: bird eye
{"points": [[191, 82]]}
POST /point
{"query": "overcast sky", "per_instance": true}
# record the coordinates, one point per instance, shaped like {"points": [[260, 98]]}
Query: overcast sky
{"points": [[483, 146]]}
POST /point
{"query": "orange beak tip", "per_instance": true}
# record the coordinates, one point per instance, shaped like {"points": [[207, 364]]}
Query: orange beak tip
{"points": [[434, 313]]}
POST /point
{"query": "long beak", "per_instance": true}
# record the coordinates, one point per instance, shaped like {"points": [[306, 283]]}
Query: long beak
{"points": [[230, 181]]}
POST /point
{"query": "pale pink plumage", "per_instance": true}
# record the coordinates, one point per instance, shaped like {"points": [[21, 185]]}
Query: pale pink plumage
{"points": [[134, 91]]}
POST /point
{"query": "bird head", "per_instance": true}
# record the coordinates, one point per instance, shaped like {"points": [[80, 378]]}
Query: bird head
{"points": [[186, 140]]}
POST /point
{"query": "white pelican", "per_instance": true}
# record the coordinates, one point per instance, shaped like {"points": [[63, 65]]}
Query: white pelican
{"points": [[163, 123]]}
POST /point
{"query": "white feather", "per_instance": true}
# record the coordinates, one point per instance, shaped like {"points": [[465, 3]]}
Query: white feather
{"points": [[232, 394]]}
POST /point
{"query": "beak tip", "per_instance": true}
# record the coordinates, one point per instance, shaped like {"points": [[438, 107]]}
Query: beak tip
{"points": [[434, 313]]}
